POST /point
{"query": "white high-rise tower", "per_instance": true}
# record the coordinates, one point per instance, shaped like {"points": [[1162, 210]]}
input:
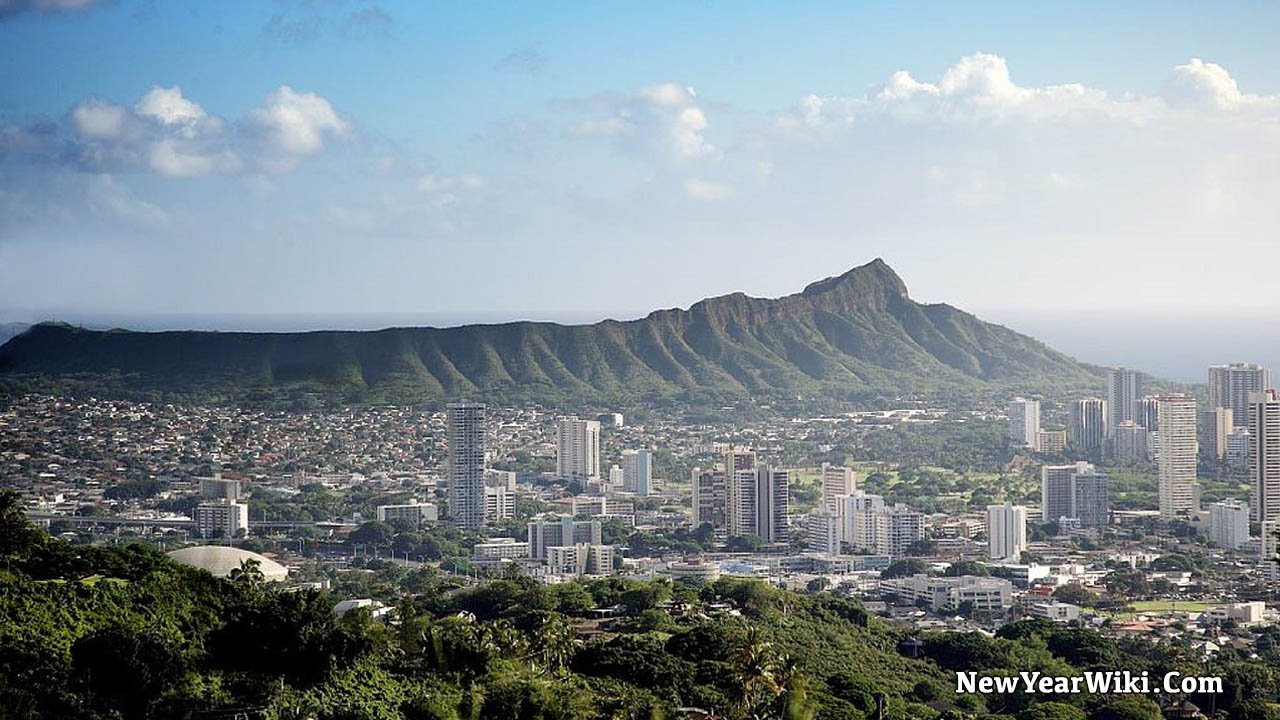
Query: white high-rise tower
{"points": [[578, 449], [466, 434], [1176, 455]]}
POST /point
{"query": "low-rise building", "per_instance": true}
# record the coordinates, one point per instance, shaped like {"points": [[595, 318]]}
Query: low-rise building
{"points": [[948, 594], [415, 512]]}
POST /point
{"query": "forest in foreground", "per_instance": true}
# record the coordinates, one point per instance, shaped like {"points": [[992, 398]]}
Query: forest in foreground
{"points": [[123, 632]]}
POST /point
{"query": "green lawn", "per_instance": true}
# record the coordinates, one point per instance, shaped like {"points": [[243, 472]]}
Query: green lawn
{"points": [[1149, 606]]}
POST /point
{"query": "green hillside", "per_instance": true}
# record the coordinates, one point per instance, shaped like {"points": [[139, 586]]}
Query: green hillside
{"points": [[855, 336]]}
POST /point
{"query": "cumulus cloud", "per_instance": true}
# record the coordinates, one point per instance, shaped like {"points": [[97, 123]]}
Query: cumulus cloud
{"points": [[167, 133], [666, 117], [298, 123]]}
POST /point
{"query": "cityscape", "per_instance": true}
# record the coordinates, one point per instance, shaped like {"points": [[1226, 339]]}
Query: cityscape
{"points": [[380, 360]]}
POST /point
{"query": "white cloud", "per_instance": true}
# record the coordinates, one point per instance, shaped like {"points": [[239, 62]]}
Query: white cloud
{"points": [[97, 120], [169, 107], [298, 123], [700, 189], [664, 117]]}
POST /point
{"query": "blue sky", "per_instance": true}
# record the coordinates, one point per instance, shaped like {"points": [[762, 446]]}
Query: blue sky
{"points": [[558, 160]]}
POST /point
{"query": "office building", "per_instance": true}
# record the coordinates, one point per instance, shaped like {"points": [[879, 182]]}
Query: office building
{"points": [[499, 549], [221, 519], [948, 594], [578, 449], [1087, 430], [837, 481], [1024, 422], [1213, 428], [547, 533], [414, 512], [1124, 387], [1006, 532], [1232, 386], [1264, 455], [1229, 524], [466, 436], [1176, 455], [637, 471]]}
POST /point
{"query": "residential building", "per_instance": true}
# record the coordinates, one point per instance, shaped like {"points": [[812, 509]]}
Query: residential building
{"points": [[578, 449], [1130, 443], [560, 532], [837, 481], [1006, 531], [1024, 422], [1176, 455], [1124, 387], [758, 503], [221, 519], [1146, 412], [1264, 455], [466, 437], [1232, 386], [1239, 447], [709, 500], [822, 532], [414, 512], [1091, 496], [1212, 430], [499, 504], [1087, 430], [1051, 442], [637, 471], [1076, 491], [220, 488], [580, 559], [1229, 524]]}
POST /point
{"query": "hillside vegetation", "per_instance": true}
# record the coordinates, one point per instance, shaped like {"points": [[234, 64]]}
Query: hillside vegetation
{"points": [[855, 337]]}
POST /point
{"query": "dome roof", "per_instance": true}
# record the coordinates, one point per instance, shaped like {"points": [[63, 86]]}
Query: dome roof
{"points": [[220, 560]]}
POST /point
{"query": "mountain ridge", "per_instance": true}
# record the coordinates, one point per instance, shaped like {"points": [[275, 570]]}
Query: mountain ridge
{"points": [[849, 336]]}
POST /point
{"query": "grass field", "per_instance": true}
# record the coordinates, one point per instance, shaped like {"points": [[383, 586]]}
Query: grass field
{"points": [[1151, 606]]}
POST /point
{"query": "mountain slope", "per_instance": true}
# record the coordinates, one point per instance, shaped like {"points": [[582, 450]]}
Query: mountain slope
{"points": [[853, 336]]}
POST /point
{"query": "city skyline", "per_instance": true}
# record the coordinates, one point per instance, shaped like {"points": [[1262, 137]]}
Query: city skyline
{"points": [[374, 144]]}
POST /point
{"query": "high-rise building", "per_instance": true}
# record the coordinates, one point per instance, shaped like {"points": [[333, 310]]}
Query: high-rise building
{"points": [[860, 514], [822, 532], [466, 435], [904, 527], [1091, 494], [1087, 430], [1024, 422], [1213, 427], [222, 519], [837, 481], [710, 500], [1006, 531], [1230, 386], [1229, 524], [1124, 386], [738, 459], [1146, 412], [1076, 491], [578, 449], [499, 503], [1057, 490], [758, 502], [1264, 455], [1130, 443], [637, 471], [1239, 444], [1176, 455], [561, 532], [616, 477]]}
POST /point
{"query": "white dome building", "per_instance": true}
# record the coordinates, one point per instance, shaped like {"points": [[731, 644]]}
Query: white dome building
{"points": [[220, 560]]}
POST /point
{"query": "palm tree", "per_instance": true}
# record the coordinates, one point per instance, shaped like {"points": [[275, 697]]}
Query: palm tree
{"points": [[249, 573]]}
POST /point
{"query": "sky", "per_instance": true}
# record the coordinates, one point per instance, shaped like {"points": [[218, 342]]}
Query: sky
{"points": [[481, 161]]}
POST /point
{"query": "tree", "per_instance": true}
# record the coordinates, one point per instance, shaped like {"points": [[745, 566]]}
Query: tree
{"points": [[903, 568], [965, 567], [249, 573], [1052, 711], [1075, 594]]}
